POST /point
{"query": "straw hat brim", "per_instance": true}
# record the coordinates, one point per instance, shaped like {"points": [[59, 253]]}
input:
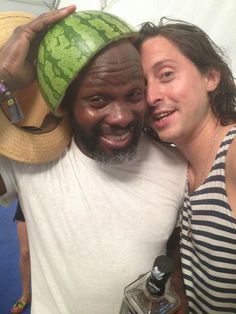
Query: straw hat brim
{"points": [[36, 148], [15, 142]]}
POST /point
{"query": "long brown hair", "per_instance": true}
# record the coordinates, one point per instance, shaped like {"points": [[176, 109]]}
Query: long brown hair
{"points": [[197, 46]]}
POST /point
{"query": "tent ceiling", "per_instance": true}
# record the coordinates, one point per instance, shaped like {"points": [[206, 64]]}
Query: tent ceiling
{"points": [[107, 3]]}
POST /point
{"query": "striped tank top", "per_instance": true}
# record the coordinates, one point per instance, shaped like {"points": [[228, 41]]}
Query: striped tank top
{"points": [[208, 242]]}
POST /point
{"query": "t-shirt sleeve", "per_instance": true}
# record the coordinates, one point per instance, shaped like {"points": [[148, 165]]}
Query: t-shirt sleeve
{"points": [[7, 175]]}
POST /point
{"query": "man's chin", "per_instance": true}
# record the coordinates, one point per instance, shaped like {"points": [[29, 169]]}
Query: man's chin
{"points": [[109, 149], [114, 157]]}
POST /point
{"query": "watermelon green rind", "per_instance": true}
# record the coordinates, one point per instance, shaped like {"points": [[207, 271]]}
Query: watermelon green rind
{"points": [[70, 45]]}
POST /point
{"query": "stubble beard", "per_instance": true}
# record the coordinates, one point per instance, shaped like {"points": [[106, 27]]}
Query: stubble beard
{"points": [[90, 143]]}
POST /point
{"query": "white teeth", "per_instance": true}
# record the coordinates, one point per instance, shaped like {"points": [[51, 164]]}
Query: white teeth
{"points": [[117, 137], [163, 115]]}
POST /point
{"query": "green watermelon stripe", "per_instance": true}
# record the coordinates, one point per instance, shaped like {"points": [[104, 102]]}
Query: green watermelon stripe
{"points": [[69, 31], [110, 18], [42, 78], [48, 81], [57, 67], [47, 64], [113, 25], [121, 26], [62, 54], [91, 24], [53, 93]]}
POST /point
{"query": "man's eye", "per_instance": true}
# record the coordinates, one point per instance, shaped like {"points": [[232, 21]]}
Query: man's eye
{"points": [[136, 96], [166, 76], [97, 102], [96, 99]]}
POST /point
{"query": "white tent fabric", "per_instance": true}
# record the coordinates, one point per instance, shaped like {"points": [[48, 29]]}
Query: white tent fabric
{"points": [[215, 17]]}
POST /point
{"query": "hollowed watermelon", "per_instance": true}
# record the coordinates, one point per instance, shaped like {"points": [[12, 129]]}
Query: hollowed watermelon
{"points": [[69, 45]]}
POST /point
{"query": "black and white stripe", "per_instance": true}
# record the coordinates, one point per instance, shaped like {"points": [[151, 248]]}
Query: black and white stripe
{"points": [[208, 252]]}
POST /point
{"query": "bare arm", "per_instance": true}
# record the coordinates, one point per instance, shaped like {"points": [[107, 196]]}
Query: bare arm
{"points": [[18, 54], [173, 251]]}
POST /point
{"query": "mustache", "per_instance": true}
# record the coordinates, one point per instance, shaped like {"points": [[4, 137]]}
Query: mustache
{"points": [[108, 129]]}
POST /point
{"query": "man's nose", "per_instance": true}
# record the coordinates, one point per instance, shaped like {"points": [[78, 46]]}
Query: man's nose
{"points": [[154, 94], [120, 114]]}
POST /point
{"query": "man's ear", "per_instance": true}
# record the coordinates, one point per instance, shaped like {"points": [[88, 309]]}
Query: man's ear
{"points": [[212, 78]]}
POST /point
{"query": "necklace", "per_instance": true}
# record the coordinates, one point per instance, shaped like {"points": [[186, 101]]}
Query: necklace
{"points": [[202, 172], [205, 162]]}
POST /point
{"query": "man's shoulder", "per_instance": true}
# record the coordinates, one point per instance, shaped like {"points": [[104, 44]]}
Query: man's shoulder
{"points": [[165, 165], [169, 151], [19, 168]]}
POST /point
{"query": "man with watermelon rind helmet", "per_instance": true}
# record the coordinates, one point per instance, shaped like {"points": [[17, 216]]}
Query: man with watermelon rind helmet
{"points": [[69, 45], [99, 214]]}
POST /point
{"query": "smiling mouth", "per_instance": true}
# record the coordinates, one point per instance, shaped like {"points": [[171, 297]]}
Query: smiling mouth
{"points": [[163, 115], [117, 139]]}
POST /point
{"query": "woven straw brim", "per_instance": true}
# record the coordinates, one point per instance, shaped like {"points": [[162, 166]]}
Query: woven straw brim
{"points": [[16, 143], [26, 147], [9, 21]]}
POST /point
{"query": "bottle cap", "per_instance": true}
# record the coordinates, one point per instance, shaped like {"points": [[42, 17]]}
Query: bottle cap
{"points": [[161, 271]]}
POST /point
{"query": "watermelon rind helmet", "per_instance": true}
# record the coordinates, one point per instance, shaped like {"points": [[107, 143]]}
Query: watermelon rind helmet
{"points": [[69, 45]]}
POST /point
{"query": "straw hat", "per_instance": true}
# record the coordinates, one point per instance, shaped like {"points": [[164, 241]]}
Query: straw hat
{"points": [[50, 136]]}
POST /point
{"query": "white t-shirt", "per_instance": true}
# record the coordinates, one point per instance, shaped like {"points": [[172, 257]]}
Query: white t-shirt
{"points": [[95, 228]]}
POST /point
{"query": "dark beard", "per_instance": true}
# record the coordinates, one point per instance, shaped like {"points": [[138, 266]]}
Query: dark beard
{"points": [[90, 142]]}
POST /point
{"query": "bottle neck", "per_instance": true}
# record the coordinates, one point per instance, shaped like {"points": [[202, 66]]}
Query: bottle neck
{"points": [[156, 286]]}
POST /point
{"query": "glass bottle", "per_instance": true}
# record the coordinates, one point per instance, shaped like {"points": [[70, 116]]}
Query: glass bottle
{"points": [[152, 293]]}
